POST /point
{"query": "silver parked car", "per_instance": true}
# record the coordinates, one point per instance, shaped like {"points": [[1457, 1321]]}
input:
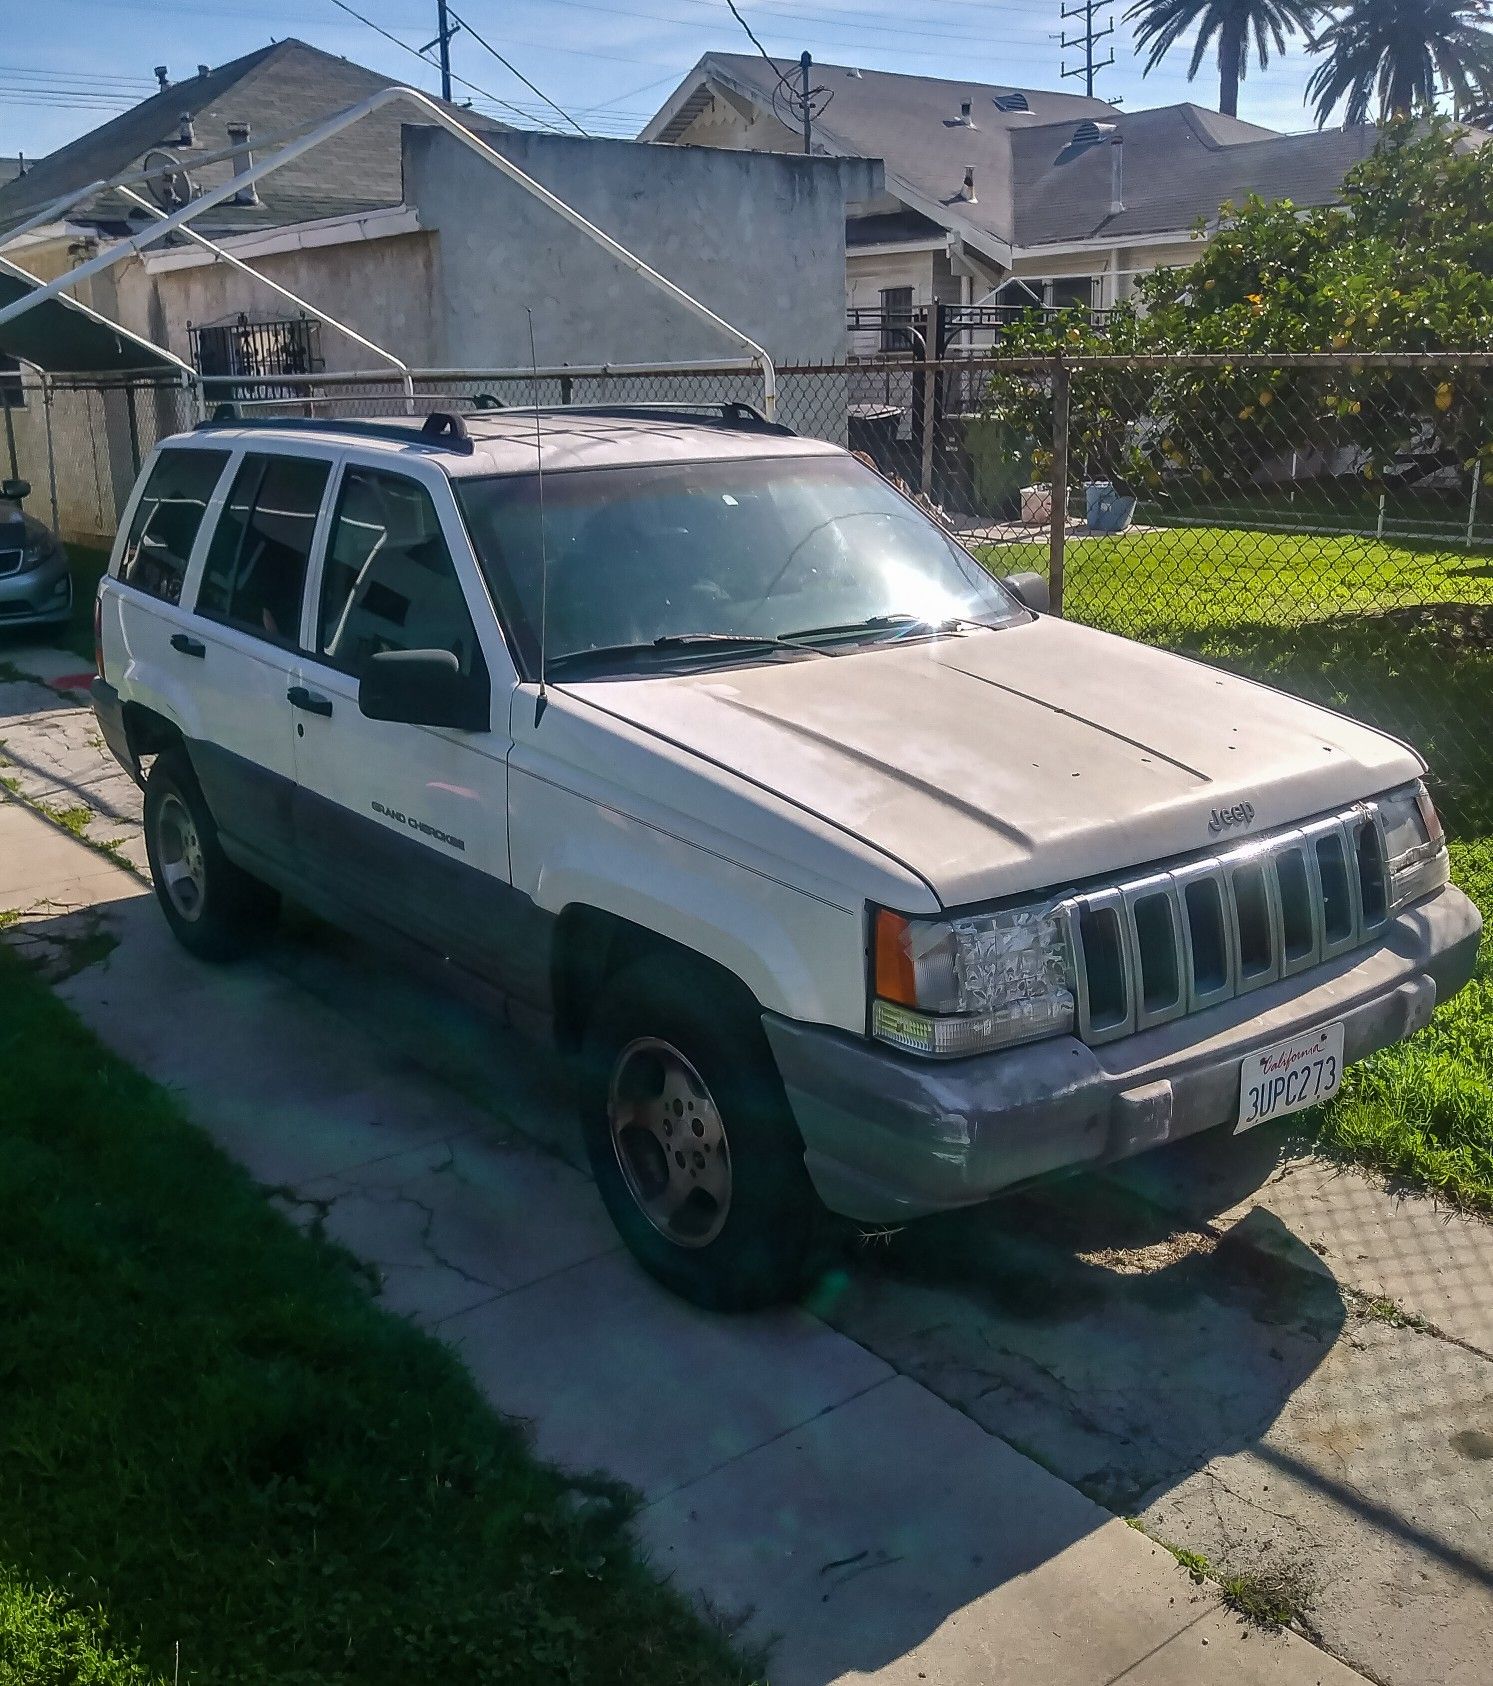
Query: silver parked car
{"points": [[36, 585]]}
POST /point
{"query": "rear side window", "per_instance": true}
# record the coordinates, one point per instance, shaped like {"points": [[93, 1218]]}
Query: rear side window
{"points": [[256, 564], [389, 582], [166, 520]]}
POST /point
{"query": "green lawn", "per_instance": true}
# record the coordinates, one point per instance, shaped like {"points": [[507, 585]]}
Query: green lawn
{"points": [[1395, 635], [214, 1441]]}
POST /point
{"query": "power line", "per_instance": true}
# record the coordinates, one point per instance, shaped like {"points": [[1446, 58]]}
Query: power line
{"points": [[404, 46], [514, 70]]}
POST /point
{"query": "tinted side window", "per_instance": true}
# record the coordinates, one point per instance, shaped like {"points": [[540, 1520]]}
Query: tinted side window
{"points": [[256, 563], [389, 582], [166, 520]]}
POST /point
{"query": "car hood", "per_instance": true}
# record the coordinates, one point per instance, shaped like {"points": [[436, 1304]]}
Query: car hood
{"points": [[996, 762]]}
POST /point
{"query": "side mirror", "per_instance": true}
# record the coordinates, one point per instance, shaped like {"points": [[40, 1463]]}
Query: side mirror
{"points": [[1030, 589], [424, 688], [14, 490]]}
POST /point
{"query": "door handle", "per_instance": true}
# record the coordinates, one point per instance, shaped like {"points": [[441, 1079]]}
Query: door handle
{"points": [[312, 701], [188, 646]]}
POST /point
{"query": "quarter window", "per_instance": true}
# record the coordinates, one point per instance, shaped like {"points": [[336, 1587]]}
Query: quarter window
{"points": [[389, 582], [256, 565], [166, 519]]}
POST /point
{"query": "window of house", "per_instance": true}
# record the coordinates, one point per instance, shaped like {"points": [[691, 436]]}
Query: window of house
{"points": [[1072, 290], [256, 565], [167, 517], [389, 581], [896, 318]]}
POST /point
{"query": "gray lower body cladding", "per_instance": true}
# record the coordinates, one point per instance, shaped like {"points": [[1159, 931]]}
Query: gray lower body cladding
{"points": [[890, 1137]]}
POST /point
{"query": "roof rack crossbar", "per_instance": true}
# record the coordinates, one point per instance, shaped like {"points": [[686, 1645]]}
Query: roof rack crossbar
{"points": [[443, 429], [728, 412]]}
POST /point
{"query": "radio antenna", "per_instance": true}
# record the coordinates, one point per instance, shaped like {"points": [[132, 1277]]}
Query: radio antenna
{"points": [[544, 560]]}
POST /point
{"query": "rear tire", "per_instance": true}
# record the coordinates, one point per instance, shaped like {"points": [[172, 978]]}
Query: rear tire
{"points": [[215, 909], [695, 1153]]}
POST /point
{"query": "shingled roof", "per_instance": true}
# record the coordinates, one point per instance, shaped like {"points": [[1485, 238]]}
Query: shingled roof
{"points": [[273, 89], [1042, 170]]}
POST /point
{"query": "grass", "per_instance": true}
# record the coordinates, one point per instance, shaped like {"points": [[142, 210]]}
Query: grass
{"points": [[216, 1447], [1393, 634], [1273, 1596]]}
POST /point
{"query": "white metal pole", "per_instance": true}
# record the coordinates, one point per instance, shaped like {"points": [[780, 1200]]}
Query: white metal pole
{"points": [[1477, 481], [274, 286], [335, 125]]}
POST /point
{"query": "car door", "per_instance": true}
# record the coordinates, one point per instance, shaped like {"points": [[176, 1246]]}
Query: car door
{"points": [[408, 822], [246, 635]]}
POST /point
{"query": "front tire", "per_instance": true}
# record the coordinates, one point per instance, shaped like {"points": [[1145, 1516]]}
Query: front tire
{"points": [[694, 1151], [214, 908]]}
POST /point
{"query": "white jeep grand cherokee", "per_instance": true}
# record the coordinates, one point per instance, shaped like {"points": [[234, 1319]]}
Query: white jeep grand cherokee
{"points": [[852, 880]]}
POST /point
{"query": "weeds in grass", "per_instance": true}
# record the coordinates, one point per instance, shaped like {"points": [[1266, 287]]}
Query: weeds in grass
{"points": [[1274, 1596]]}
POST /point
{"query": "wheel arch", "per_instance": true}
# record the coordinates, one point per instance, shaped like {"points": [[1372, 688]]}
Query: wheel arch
{"points": [[592, 946]]}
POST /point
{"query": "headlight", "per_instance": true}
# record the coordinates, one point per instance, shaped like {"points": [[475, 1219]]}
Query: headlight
{"points": [[1414, 844], [39, 551], [947, 987]]}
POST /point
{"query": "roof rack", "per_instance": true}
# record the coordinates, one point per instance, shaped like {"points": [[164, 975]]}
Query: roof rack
{"points": [[723, 413], [442, 428]]}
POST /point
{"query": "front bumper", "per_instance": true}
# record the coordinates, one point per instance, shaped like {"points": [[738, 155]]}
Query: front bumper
{"points": [[39, 596], [888, 1136]]}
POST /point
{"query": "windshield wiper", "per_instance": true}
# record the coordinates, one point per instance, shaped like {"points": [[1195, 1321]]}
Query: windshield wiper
{"points": [[903, 622], [724, 642]]}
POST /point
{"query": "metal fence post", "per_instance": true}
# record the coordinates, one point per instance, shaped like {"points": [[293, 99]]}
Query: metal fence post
{"points": [[1058, 532], [932, 353], [1477, 482], [46, 404]]}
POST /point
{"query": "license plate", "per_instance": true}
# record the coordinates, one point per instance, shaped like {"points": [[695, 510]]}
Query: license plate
{"points": [[1290, 1075]]}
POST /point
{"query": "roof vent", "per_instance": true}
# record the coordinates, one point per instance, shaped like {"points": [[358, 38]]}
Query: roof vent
{"points": [[1011, 102], [204, 69], [963, 120], [855, 74], [967, 192], [185, 136], [1090, 133], [243, 159], [163, 81]]}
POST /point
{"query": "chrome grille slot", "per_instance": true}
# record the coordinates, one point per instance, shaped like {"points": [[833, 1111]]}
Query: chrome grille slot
{"points": [[1373, 872], [1255, 922], [10, 561], [1105, 1000], [1168, 943], [1299, 922]]}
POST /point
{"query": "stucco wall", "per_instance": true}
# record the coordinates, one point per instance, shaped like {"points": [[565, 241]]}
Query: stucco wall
{"points": [[759, 238], [381, 287]]}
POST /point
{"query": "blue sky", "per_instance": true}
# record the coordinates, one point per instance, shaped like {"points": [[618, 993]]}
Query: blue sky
{"points": [[65, 65]]}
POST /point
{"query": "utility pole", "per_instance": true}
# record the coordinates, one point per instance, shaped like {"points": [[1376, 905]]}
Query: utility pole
{"points": [[443, 41], [1090, 11], [805, 64]]}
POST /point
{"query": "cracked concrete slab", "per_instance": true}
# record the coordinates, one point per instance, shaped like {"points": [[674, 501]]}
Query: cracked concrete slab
{"points": [[52, 750], [452, 1224], [1376, 1479], [617, 1373], [891, 1540]]}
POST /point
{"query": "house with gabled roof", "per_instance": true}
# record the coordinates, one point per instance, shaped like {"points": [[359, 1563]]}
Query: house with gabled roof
{"points": [[999, 194]]}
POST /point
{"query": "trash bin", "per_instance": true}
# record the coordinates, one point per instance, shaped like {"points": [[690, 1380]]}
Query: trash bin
{"points": [[1106, 508]]}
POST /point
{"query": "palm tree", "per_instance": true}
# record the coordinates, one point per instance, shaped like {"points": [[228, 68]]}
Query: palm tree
{"points": [[1162, 23], [1402, 53]]}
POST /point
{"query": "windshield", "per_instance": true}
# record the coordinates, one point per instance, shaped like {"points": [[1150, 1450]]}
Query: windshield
{"points": [[818, 550]]}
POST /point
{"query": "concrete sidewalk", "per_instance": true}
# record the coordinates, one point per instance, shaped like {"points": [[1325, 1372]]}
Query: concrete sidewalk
{"points": [[791, 1478]]}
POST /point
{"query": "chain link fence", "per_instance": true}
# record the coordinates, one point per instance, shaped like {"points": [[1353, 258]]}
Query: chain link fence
{"points": [[1318, 522]]}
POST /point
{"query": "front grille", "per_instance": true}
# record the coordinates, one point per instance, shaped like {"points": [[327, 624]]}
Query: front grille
{"points": [[10, 562], [1172, 942]]}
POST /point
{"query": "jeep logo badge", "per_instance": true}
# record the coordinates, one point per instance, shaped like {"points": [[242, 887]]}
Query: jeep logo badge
{"points": [[1242, 813]]}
